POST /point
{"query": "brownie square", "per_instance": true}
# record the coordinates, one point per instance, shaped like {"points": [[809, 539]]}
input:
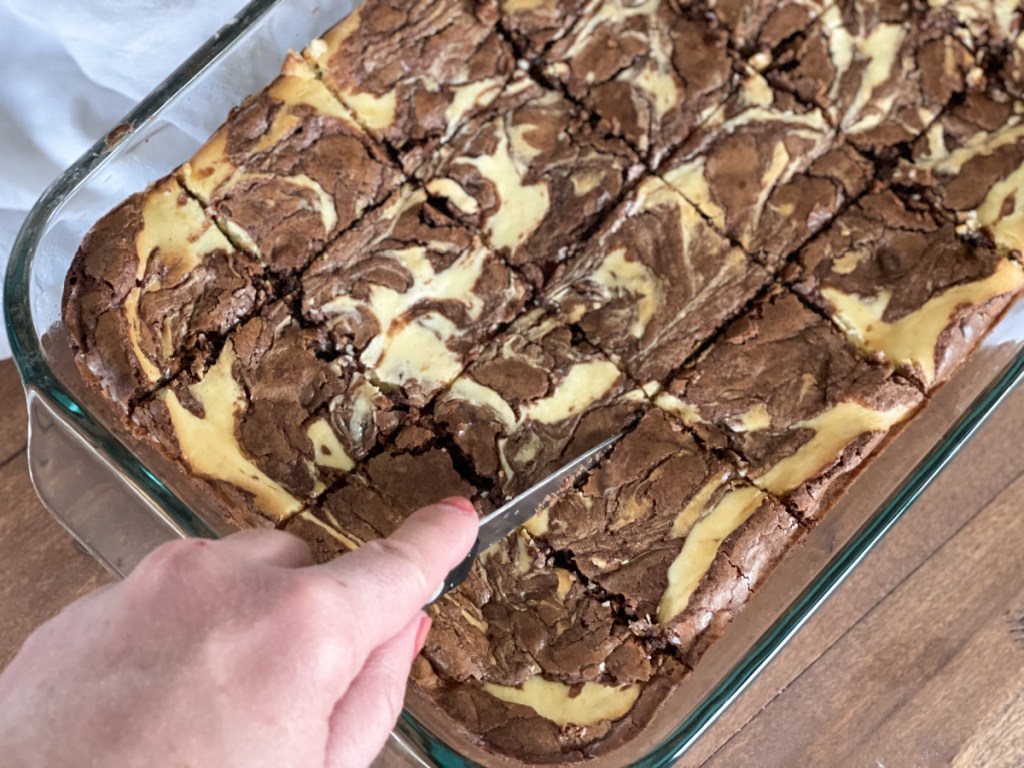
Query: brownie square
{"points": [[269, 423], [289, 170], [904, 286], [411, 294], [970, 164], [531, 174], [413, 72], [526, 657], [375, 500], [783, 389], [670, 530], [745, 169], [880, 70], [535, 399], [653, 283], [650, 71], [152, 287]]}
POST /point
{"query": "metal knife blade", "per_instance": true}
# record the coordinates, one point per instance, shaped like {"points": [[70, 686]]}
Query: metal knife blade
{"points": [[512, 514]]}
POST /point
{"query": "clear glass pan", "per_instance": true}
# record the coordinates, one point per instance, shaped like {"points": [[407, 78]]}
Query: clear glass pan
{"points": [[120, 500]]}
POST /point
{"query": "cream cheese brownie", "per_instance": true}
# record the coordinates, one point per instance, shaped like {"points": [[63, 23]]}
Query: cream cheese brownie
{"points": [[650, 71], [672, 531], [531, 174], [289, 170], [536, 398], [151, 288], [413, 72], [527, 659], [905, 287], [653, 283], [744, 166], [374, 500], [880, 70], [970, 164], [786, 392], [269, 424], [410, 294]]}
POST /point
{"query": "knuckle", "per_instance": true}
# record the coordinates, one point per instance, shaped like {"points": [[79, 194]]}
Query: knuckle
{"points": [[311, 605], [403, 561], [169, 561]]}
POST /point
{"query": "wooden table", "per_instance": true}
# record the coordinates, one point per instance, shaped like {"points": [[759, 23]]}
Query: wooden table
{"points": [[917, 660]]}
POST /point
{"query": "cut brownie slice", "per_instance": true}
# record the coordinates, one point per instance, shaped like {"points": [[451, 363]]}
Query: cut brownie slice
{"points": [[669, 528], [270, 424], [799, 405], [881, 71], [971, 164], [654, 282], [904, 286], [412, 73], [648, 70], [375, 500], [412, 294], [531, 174], [526, 657], [535, 399], [289, 170], [744, 166], [152, 286]]}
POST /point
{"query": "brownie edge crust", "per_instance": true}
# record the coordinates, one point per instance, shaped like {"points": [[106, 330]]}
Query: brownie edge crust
{"points": [[456, 243]]}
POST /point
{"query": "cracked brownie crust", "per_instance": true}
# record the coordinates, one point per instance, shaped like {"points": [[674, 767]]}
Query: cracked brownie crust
{"points": [[457, 243]]}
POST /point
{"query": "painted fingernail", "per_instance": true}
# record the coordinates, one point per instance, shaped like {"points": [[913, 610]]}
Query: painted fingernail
{"points": [[421, 635], [458, 502]]}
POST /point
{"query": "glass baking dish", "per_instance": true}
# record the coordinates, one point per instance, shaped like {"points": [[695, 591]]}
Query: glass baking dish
{"points": [[120, 500]]}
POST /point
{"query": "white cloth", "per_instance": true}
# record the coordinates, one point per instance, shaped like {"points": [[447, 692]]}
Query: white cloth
{"points": [[71, 69]]}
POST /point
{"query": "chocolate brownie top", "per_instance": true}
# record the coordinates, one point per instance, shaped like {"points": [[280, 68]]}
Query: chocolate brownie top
{"points": [[654, 282], [289, 170], [748, 153], [881, 71], [970, 163], [903, 284], [791, 397], [411, 294], [535, 399], [531, 174], [152, 285], [650, 71], [413, 72]]}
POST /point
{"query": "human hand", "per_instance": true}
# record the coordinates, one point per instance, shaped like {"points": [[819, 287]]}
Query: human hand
{"points": [[235, 652]]}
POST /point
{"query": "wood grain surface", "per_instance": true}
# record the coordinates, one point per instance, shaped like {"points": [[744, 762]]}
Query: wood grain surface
{"points": [[917, 660]]}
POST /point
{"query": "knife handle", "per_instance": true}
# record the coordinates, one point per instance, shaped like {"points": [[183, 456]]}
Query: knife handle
{"points": [[456, 575]]}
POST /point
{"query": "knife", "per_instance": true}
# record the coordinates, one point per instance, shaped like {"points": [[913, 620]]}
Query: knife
{"points": [[509, 516]]}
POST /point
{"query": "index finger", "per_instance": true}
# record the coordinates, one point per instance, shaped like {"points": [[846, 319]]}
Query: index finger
{"points": [[392, 579]]}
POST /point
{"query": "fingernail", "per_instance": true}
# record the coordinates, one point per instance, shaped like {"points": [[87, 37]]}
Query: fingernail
{"points": [[421, 635], [458, 502]]}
